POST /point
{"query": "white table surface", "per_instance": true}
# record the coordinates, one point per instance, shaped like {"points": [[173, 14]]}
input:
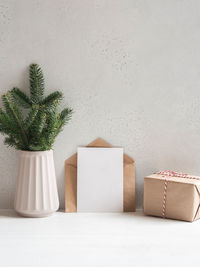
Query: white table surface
{"points": [[97, 239]]}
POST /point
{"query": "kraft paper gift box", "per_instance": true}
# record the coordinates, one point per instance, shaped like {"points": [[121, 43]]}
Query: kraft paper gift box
{"points": [[71, 180], [172, 195]]}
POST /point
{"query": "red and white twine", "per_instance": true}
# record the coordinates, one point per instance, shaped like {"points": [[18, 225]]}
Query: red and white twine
{"points": [[164, 198], [166, 175]]}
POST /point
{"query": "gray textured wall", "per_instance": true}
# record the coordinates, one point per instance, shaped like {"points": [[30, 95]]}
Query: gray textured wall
{"points": [[130, 69]]}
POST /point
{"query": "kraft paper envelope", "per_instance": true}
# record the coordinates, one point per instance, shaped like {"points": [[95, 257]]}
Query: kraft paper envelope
{"points": [[71, 180]]}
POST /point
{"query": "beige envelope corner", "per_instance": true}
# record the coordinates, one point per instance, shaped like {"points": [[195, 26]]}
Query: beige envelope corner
{"points": [[71, 180]]}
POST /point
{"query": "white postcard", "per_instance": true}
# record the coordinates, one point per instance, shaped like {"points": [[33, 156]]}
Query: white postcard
{"points": [[100, 179]]}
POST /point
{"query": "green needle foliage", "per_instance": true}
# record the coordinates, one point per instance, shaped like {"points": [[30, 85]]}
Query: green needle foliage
{"points": [[43, 122]]}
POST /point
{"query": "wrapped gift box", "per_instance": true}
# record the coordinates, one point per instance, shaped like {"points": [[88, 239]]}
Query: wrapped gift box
{"points": [[172, 195]]}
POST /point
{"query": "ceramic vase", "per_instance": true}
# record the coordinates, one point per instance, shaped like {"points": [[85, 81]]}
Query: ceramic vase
{"points": [[36, 188]]}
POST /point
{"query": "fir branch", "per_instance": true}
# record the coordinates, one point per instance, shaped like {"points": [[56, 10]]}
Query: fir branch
{"points": [[5, 120], [38, 126], [14, 114], [52, 125], [43, 122], [30, 118], [66, 114], [21, 98], [48, 101], [36, 83], [65, 117], [10, 141], [5, 130]]}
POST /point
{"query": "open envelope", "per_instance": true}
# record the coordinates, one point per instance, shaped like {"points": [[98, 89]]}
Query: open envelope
{"points": [[71, 180]]}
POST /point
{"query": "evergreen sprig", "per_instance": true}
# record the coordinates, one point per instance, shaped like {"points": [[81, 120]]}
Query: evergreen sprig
{"points": [[43, 122]]}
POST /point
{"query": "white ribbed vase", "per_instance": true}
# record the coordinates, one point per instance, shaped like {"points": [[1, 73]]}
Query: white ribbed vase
{"points": [[36, 188]]}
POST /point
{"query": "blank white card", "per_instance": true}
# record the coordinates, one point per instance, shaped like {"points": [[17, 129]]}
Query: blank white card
{"points": [[100, 179]]}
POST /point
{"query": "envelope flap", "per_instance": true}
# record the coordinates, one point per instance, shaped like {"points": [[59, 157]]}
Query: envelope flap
{"points": [[99, 142], [72, 160], [128, 160]]}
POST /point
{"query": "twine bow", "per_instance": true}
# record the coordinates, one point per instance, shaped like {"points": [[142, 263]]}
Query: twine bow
{"points": [[166, 175]]}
